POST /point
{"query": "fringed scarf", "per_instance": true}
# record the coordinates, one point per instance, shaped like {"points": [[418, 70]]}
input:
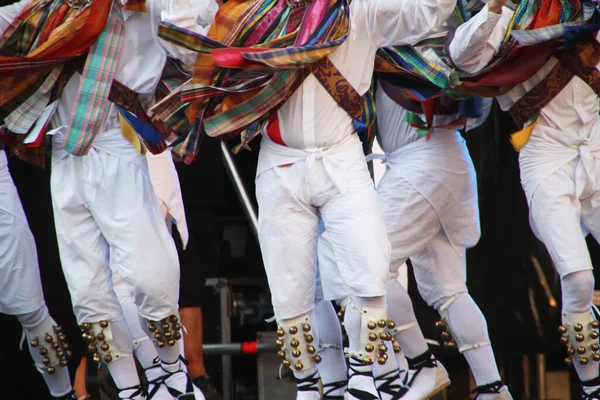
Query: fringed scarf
{"points": [[255, 56]]}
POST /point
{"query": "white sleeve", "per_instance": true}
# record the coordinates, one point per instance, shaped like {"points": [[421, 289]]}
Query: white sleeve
{"points": [[477, 41], [9, 13], [193, 15], [398, 22]]}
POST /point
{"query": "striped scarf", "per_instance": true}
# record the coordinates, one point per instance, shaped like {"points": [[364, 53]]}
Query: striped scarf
{"points": [[255, 56], [537, 29], [45, 36]]}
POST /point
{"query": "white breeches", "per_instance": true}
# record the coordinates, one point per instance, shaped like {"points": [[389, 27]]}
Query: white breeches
{"points": [[20, 285], [564, 207], [291, 202], [104, 203]]}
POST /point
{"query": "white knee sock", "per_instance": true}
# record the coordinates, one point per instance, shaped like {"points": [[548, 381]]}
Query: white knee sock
{"points": [[577, 293], [468, 327], [35, 324], [333, 365], [123, 370], [400, 310], [352, 323]]}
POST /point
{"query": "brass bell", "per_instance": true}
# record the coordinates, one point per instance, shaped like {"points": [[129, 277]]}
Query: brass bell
{"points": [[440, 325], [65, 345], [579, 337], [152, 327], [177, 335], [168, 334], [317, 359], [583, 360], [295, 343], [55, 345], [69, 353], [63, 363], [449, 345], [310, 349], [164, 326], [174, 319], [281, 353], [594, 335], [595, 347], [368, 360], [177, 327], [340, 314], [158, 335], [298, 366], [569, 361], [564, 340], [383, 335], [391, 324], [86, 326], [105, 346], [562, 329], [382, 323], [371, 325], [596, 357], [296, 353], [570, 350], [92, 347], [578, 327], [57, 329], [104, 324], [381, 360], [306, 327], [96, 357], [49, 338], [60, 353], [372, 337], [581, 350], [46, 360], [594, 324], [293, 330], [34, 342], [286, 363], [62, 337], [280, 332], [108, 358], [171, 342], [397, 349], [100, 336], [160, 343], [309, 338], [279, 343], [369, 347], [446, 335], [51, 370], [382, 348], [43, 351]]}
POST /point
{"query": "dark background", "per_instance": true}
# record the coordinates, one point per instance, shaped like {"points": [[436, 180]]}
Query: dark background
{"points": [[502, 279]]}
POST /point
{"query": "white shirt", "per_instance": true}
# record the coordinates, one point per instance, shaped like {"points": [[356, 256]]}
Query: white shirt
{"points": [[566, 129], [574, 109], [143, 54], [311, 119]]}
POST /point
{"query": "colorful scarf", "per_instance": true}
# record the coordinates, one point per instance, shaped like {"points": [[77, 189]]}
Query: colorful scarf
{"points": [[34, 49], [255, 56]]}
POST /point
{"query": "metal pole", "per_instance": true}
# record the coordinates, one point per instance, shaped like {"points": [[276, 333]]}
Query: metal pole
{"points": [[237, 348], [541, 376], [225, 301], [240, 188]]}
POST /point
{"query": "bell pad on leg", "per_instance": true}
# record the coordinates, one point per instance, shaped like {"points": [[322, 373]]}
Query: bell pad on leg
{"points": [[374, 336], [296, 344], [580, 335], [100, 341], [449, 340], [51, 343], [166, 331]]}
